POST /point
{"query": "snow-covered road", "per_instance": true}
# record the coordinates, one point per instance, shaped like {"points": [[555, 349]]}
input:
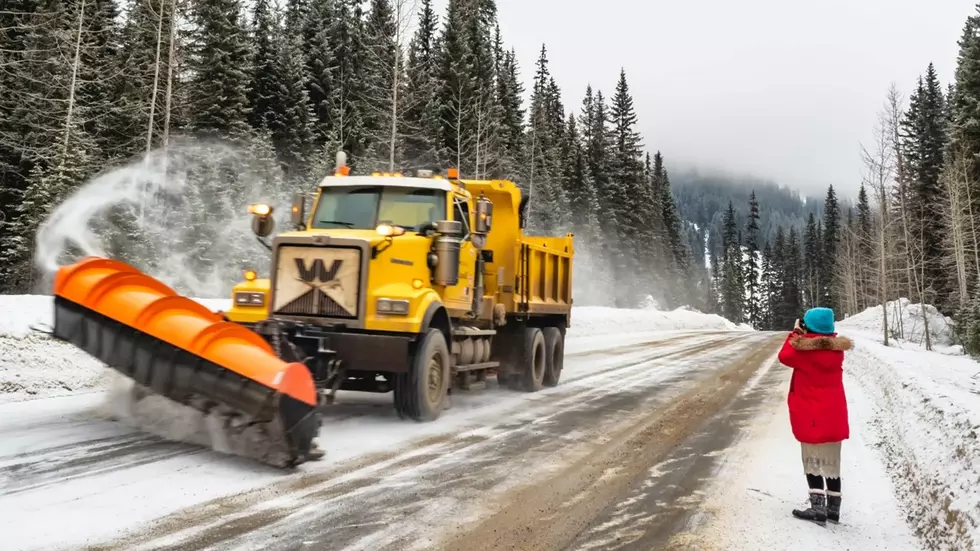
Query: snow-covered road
{"points": [[65, 456], [668, 431]]}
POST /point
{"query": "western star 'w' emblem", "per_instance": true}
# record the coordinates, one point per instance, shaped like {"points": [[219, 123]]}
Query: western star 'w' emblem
{"points": [[317, 281], [318, 271]]}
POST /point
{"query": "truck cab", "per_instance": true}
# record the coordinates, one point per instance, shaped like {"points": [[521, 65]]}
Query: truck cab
{"points": [[410, 284]]}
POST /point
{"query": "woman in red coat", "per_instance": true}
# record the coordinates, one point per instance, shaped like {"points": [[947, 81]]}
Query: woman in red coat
{"points": [[818, 407]]}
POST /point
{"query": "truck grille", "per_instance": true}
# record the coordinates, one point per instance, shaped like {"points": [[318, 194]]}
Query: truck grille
{"points": [[317, 281]]}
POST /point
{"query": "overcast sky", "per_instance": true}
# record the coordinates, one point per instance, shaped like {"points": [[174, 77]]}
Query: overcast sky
{"points": [[776, 88]]}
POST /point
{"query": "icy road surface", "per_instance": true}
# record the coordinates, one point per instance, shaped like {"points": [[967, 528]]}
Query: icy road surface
{"points": [[624, 452]]}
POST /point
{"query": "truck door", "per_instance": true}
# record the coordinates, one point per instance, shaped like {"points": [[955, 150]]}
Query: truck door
{"points": [[460, 296]]}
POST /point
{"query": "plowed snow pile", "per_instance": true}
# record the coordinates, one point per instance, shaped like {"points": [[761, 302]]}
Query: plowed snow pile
{"points": [[906, 321]]}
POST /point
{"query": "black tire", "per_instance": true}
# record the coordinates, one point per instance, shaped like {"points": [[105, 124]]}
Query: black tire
{"points": [[421, 393], [533, 360], [554, 345]]}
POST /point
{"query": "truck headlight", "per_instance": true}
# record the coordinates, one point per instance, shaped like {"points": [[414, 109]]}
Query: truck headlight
{"points": [[392, 306], [250, 299]]}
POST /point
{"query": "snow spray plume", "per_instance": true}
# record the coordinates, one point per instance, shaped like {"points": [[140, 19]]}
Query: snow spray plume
{"points": [[179, 214]]}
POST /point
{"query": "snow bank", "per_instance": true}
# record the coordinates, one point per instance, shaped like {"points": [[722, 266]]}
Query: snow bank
{"points": [[906, 322], [32, 364], [928, 419], [600, 320]]}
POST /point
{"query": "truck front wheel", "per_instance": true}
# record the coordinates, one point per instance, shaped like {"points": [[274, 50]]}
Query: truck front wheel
{"points": [[420, 394]]}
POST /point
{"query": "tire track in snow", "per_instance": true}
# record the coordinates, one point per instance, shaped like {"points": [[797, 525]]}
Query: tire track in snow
{"points": [[40, 468], [551, 512], [54, 465]]}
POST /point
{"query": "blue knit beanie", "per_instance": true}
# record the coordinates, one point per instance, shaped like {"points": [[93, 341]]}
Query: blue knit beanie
{"points": [[819, 320]]}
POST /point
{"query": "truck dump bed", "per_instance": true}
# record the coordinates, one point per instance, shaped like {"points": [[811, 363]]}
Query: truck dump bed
{"points": [[544, 275], [528, 274]]}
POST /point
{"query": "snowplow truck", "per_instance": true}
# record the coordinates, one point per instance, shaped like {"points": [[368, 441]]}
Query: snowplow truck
{"points": [[411, 284], [405, 284]]}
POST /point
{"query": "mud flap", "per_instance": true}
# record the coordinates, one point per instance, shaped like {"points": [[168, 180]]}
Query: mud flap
{"points": [[179, 349]]}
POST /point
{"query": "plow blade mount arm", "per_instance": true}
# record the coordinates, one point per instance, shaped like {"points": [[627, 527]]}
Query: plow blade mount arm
{"points": [[179, 349]]}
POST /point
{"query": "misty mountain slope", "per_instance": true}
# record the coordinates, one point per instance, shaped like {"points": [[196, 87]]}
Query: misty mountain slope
{"points": [[702, 199]]}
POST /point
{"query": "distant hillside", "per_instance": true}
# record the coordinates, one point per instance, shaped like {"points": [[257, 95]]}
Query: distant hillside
{"points": [[702, 200]]}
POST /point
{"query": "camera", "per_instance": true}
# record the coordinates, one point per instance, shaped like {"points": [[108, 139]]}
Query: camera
{"points": [[802, 324]]}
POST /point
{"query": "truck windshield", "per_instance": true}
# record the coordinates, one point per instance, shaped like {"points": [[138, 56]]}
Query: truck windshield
{"points": [[364, 207]]}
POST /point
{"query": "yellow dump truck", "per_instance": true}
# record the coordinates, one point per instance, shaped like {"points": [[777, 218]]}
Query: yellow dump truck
{"points": [[414, 284]]}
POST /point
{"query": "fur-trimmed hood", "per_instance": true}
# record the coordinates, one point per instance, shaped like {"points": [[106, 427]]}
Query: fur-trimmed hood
{"points": [[811, 342]]}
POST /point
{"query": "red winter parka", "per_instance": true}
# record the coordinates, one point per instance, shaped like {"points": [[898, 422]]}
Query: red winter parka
{"points": [[817, 403]]}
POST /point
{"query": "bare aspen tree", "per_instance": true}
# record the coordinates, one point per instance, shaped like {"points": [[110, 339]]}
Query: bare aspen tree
{"points": [[848, 268], [956, 181], [156, 77], [893, 117], [171, 61], [74, 81], [385, 49], [879, 171]]}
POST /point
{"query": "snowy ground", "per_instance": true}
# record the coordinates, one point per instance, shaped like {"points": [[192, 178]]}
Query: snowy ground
{"points": [[63, 453], [910, 474], [761, 481], [925, 415]]}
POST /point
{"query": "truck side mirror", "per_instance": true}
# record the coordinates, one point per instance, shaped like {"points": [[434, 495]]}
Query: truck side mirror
{"points": [[262, 221], [297, 215], [484, 215]]}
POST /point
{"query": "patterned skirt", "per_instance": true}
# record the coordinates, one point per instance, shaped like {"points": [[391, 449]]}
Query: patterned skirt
{"points": [[822, 459]]}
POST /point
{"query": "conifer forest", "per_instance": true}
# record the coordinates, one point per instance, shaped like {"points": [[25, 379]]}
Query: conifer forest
{"points": [[88, 85]]}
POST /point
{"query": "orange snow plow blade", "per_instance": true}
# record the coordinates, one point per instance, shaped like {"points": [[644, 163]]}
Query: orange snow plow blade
{"points": [[179, 349]]}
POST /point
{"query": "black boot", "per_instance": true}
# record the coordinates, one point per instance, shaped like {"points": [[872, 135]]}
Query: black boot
{"points": [[833, 507], [817, 512]]}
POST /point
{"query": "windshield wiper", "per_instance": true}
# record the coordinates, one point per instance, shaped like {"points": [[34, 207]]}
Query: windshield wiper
{"points": [[338, 222]]}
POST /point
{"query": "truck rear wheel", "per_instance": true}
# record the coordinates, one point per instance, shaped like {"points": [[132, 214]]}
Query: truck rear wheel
{"points": [[554, 345], [421, 393], [534, 364]]}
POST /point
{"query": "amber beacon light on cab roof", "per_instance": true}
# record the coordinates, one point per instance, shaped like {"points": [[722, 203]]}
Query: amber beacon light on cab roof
{"points": [[411, 284]]}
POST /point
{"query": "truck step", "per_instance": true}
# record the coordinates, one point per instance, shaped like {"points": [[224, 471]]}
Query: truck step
{"points": [[474, 367], [465, 331]]}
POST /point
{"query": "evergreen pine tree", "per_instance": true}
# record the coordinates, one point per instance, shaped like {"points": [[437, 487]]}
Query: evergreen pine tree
{"points": [[347, 111], [54, 108], [219, 65], [315, 22], [19, 24], [752, 268], [777, 282], [628, 197], [266, 75], [510, 93], [292, 128], [382, 70], [682, 284], [924, 141], [548, 209], [729, 234], [765, 288], [812, 248], [866, 249], [421, 117], [830, 247], [791, 306], [99, 80], [596, 136]]}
